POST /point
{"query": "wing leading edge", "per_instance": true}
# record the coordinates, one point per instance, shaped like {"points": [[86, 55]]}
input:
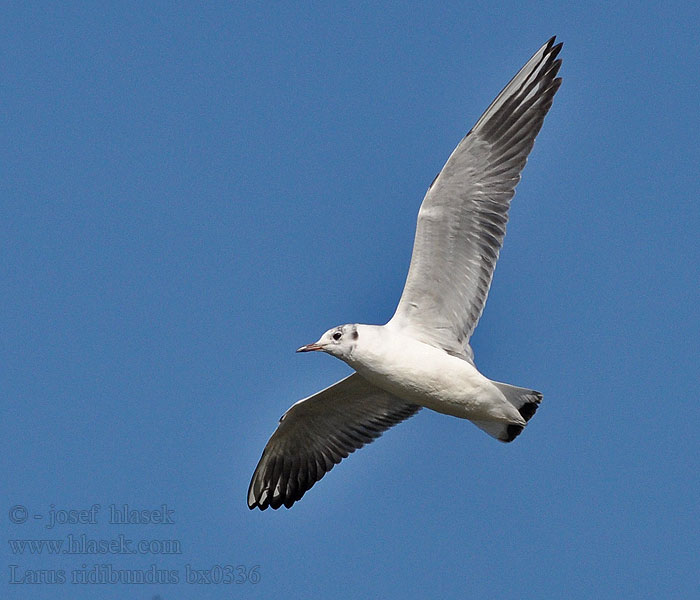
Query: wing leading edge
{"points": [[462, 220], [318, 432]]}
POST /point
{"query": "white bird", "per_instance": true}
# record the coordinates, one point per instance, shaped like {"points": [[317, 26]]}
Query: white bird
{"points": [[421, 357]]}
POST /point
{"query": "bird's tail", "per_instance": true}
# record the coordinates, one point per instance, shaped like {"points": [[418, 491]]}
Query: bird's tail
{"points": [[525, 400]]}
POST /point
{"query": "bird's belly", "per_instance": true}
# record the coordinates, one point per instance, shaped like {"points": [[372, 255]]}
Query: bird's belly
{"points": [[438, 381]]}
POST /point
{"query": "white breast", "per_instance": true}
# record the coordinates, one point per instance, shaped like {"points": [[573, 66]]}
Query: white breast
{"points": [[425, 375]]}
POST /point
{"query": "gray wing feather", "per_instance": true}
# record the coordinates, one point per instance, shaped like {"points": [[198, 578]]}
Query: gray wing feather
{"points": [[462, 221], [316, 433]]}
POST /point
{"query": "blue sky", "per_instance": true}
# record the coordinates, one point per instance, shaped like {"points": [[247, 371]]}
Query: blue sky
{"points": [[189, 193]]}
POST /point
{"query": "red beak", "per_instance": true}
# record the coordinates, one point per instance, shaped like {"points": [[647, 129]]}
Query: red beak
{"points": [[310, 348]]}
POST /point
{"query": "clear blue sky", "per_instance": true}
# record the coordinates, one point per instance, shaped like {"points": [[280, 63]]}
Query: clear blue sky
{"points": [[189, 193]]}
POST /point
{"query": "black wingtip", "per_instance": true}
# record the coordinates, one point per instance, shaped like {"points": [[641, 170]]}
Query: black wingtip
{"points": [[528, 410], [552, 50], [513, 431], [550, 43], [555, 50]]}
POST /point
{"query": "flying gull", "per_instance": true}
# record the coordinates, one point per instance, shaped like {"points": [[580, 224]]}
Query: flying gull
{"points": [[421, 357]]}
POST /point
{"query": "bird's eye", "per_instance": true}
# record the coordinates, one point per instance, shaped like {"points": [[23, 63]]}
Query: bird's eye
{"points": [[337, 335]]}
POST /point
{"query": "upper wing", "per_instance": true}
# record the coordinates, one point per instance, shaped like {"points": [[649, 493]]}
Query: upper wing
{"points": [[317, 433], [462, 220]]}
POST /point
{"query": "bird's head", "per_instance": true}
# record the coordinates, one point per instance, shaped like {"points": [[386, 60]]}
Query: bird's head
{"points": [[339, 341]]}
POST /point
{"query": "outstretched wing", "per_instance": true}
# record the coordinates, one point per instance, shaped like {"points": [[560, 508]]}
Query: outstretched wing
{"points": [[462, 221], [317, 433]]}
